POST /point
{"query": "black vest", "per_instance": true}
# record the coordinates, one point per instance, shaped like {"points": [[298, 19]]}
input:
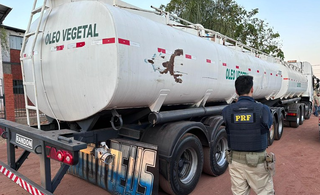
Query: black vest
{"points": [[244, 125]]}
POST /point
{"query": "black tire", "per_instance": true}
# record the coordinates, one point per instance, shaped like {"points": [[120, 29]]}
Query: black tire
{"points": [[272, 131], [185, 166], [301, 115], [279, 130], [215, 162], [308, 111], [296, 123]]}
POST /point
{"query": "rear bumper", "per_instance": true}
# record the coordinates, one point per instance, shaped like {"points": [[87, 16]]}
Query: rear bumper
{"points": [[43, 144], [22, 181]]}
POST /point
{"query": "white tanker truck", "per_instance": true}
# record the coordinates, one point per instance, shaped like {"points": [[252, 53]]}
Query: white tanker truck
{"points": [[142, 93]]}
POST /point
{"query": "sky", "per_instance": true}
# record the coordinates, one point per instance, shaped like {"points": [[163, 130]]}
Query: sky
{"points": [[297, 22]]}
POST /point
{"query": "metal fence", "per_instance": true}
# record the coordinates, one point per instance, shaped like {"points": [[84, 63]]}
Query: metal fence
{"points": [[2, 108], [19, 102]]}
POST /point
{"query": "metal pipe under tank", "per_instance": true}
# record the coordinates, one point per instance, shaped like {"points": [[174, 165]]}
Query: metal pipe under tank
{"points": [[290, 101], [168, 116]]}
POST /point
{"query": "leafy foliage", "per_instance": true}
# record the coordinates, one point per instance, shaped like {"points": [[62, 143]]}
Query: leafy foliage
{"points": [[230, 19], [3, 39]]}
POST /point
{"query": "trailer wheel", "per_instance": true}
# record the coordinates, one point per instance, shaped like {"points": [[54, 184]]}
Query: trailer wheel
{"points": [[215, 162], [301, 115], [272, 131], [308, 111], [185, 166], [296, 123], [279, 130]]}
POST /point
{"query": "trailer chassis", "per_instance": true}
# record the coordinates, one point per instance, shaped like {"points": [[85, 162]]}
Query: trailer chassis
{"points": [[40, 143]]}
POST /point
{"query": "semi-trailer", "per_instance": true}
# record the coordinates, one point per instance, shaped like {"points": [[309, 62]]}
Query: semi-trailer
{"points": [[134, 98]]}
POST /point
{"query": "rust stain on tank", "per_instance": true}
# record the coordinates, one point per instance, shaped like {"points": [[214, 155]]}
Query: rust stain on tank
{"points": [[169, 65]]}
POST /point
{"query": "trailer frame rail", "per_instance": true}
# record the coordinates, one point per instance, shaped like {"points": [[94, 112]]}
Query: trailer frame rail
{"points": [[40, 143]]}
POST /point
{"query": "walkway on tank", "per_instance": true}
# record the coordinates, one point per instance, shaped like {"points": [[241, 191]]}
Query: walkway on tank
{"points": [[297, 169]]}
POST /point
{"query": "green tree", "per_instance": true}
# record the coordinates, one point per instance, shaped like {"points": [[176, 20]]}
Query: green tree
{"points": [[230, 19], [3, 39], [192, 10], [256, 33]]}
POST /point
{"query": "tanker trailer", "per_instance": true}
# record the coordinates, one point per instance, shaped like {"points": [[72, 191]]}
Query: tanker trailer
{"points": [[142, 93]]}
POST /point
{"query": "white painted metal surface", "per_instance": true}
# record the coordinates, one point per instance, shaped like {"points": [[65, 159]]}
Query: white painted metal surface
{"points": [[96, 56]]}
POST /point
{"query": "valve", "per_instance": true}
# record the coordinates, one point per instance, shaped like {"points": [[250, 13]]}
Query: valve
{"points": [[103, 153]]}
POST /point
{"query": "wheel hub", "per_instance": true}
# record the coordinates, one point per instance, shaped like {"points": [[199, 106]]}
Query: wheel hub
{"points": [[220, 151], [187, 165]]}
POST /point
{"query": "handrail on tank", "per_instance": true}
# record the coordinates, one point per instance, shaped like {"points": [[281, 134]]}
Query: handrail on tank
{"points": [[134, 8], [215, 35], [205, 33], [225, 39]]}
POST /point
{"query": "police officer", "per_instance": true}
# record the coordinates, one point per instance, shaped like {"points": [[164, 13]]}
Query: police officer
{"points": [[247, 125]]}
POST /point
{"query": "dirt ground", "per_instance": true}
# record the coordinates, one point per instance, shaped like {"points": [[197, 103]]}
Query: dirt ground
{"points": [[297, 168]]}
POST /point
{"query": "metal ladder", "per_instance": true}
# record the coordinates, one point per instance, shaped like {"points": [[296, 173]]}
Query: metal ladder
{"points": [[24, 57]]}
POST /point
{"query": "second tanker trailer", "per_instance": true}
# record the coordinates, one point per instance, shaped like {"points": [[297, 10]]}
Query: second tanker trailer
{"points": [[146, 92]]}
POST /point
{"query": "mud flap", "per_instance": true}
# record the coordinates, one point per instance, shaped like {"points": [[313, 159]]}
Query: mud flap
{"points": [[134, 170]]}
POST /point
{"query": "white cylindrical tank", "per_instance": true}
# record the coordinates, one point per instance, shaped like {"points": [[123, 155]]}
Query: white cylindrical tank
{"points": [[93, 56], [294, 83]]}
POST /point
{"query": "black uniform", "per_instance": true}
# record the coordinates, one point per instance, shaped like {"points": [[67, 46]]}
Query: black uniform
{"points": [[247, 125]]}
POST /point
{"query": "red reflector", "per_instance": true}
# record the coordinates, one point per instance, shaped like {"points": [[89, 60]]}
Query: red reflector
{"points": [[59, 48], [124, 41], [80, 44], [291, 114], [188, 56], [60, 155], [109, 40], [285, 78], [68, 158], [237, 67], [270, 73], [208, 61], [52, 152], [161, 50], [258, 71], [224, 64], [249, 69]]}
